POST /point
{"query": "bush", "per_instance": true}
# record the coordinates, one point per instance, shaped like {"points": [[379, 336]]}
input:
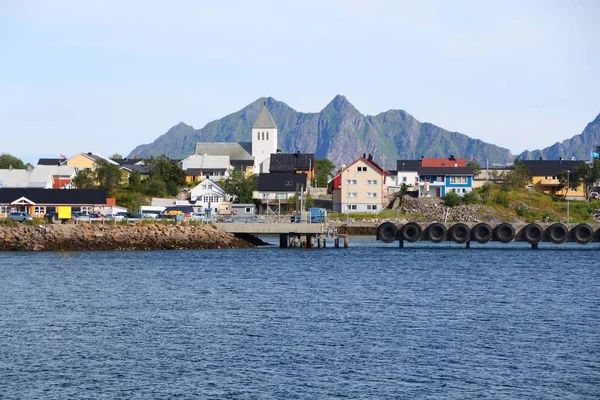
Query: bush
{"points": [[470, 198], [453, 200], [502, 199]]}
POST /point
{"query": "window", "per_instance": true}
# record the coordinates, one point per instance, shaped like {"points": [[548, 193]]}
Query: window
{"points": [[282, 196], [203, 186], [403, 179], [257, 135], [4, 210], [361, 169], [554, 177], [248, 210], [351, 194], [464, 190], [265, 196], [371, 207], [263, 136], [372, 195], [352, 207], [210, 186], [371, 182], [458, 179], [351, 182], [86, 209], [39, 210], [427, 179], [267, 135], [288, 183]]}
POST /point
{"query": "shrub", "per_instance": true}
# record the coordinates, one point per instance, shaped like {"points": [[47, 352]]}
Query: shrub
{"points": [[470, 198], [453, 200], [502, 199]]}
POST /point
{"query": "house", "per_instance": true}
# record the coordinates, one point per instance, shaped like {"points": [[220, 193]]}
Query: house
{"points": [[250, 157], [407, 174], [276, 189], [293, 163], [359, 187], [87, 161], [51, 161], [38, 201], [198, 167], [242, 210], [439, 181], [545, 173], [208, 194], [39, 176]]}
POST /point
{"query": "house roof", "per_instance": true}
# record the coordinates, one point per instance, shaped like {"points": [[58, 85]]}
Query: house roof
{"points": [[38, 177], [264, 119], [50, 161], [203, 162], [409, 165], [443, 162], [142, 169], [98, 158], [550, 167], [284, 162], [127, 161], [235, 150], [445, 171], [280, 182], [54, 196]]}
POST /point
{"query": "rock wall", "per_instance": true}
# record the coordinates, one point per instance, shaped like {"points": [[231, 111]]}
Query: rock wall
{"points": [[116, 237]]}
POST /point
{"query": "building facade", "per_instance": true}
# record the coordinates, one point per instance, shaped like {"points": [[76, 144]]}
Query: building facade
{"points": [[359, 187]]}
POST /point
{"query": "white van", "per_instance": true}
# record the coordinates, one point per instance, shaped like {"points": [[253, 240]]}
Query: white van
{"points": [[151, 211]]}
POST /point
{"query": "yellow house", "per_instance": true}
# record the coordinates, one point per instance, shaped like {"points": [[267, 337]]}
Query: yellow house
{"points": [[545, 173], [359, 187], [88, 161]]}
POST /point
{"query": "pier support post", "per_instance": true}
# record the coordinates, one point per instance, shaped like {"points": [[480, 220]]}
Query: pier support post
{"points": [[401, 243], [283, 240], [324, 243], [336, 242], [534, 246], [468, 244], [346, 239], [310, 241]]}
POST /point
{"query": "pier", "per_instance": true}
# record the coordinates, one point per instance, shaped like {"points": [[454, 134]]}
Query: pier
{"points": [[291, 235], [464, 233]]}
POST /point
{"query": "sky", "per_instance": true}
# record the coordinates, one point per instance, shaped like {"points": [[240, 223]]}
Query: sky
{"points": [[105, 76]]}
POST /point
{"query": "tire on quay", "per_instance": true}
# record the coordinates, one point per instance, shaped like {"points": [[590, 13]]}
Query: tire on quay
{"points": [[437, 232], [582, 233], [411, 232], [533, 233], [557, 233], [504, 233], [386, 232], [482, 233], [459, 233]]}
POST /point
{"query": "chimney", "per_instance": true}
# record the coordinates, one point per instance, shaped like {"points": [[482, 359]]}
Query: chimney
{"points": [[370, 157], [89, 153], [559, 158], [451, 157], [541, 158], [422, 157]]}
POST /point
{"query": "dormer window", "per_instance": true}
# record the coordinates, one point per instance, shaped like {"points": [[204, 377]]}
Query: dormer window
{"points": [[288, 183]]}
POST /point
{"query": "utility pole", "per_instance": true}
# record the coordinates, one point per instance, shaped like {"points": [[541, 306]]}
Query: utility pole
{"points": [[567, 195]]}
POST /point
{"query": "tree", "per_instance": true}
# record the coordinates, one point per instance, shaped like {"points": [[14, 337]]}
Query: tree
{"points": [[568, 181], [400, 195], [452, 199], [8, 161], [476, 167], [84, 179], [323, 170], [116, 156], [519, 177], [588, 174], [135, 181], [240, 187], [108, 176], [155, 187]]}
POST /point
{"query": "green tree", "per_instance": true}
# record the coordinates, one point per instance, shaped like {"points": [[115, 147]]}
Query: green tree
{"points": [[400, 195], [8, 161], [588, 174], [116, 156], [519, 177], [452, 199], [108, 176], [240, 187], [323, 171], [155, 187], [135, 181], [568, 180], [84, 179]]}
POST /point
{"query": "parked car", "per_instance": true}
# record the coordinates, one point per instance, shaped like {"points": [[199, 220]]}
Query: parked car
{"points": [[79, 216], [19, 216], [196, 216], [51, 216]]}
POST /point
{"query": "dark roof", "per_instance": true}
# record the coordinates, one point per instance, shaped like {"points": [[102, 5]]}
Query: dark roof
{"points": [[409, 165], [126, 161], [550, 167], [241, 164], [142, 169], [285, 162], [445, 171], [280, 182], [54, 196], [49, 161], [200, 171]]}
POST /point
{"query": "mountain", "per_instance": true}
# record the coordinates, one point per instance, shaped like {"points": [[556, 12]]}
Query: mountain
{"points": [[339, 132], [579, 146]]}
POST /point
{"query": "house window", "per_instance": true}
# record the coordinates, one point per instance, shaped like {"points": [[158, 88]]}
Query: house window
{"points": [[86, 209], [351, 182], [248, 210], [288, 183], [351, 194], [203, 186], [4, 209], [265, 196], [39, 210], [361, 169], [464, 190], [282, 196], [210, 186], [352, 207], [403, 179], [371, 182], [371, 195], [458, 179], [427, 179], [554, 177], [371, 207]]}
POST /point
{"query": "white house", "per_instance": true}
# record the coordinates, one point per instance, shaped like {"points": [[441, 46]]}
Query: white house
{"points": [[208, 194]]}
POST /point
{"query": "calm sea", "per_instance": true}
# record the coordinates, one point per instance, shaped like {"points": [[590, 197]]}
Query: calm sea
{"points": [[372, 321]]}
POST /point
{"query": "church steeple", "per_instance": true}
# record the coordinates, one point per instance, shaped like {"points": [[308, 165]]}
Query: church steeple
{"points": [[264, 139], [264, 119]]}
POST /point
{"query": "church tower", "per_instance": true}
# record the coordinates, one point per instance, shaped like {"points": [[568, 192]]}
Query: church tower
{"points": [[264, 140]]}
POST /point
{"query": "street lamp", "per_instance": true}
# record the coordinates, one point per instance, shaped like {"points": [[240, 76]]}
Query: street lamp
{"points": [[567, 195]]}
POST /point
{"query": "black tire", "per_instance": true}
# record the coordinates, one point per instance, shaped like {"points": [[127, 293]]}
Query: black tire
{"points": [[582, 233], [482, 233], [412, 232], [459, 233], [504, 233], [386, 232], [437, 232], [533, 233], [557, 233]]}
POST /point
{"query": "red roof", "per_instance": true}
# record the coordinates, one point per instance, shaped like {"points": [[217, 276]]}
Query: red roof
{"points": [[443, 162], [337, 181]]}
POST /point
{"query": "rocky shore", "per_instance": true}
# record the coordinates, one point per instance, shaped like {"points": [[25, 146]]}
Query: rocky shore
{"points": [[116, 237]]}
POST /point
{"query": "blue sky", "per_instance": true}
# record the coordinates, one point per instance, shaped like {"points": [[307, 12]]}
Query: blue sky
{"points": [[105, 76]]}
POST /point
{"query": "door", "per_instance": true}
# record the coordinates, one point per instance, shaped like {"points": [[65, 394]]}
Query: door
{"points": [[437, 192]]}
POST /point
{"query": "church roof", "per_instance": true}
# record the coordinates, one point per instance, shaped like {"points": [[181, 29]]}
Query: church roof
{"points": [[264, 120], [235, 150]]}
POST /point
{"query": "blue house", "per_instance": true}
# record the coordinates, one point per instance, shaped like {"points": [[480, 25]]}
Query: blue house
{"points": [[439, 181]]}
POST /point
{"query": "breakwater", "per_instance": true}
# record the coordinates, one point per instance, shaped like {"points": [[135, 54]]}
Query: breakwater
{"points": [[67, 237]]}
